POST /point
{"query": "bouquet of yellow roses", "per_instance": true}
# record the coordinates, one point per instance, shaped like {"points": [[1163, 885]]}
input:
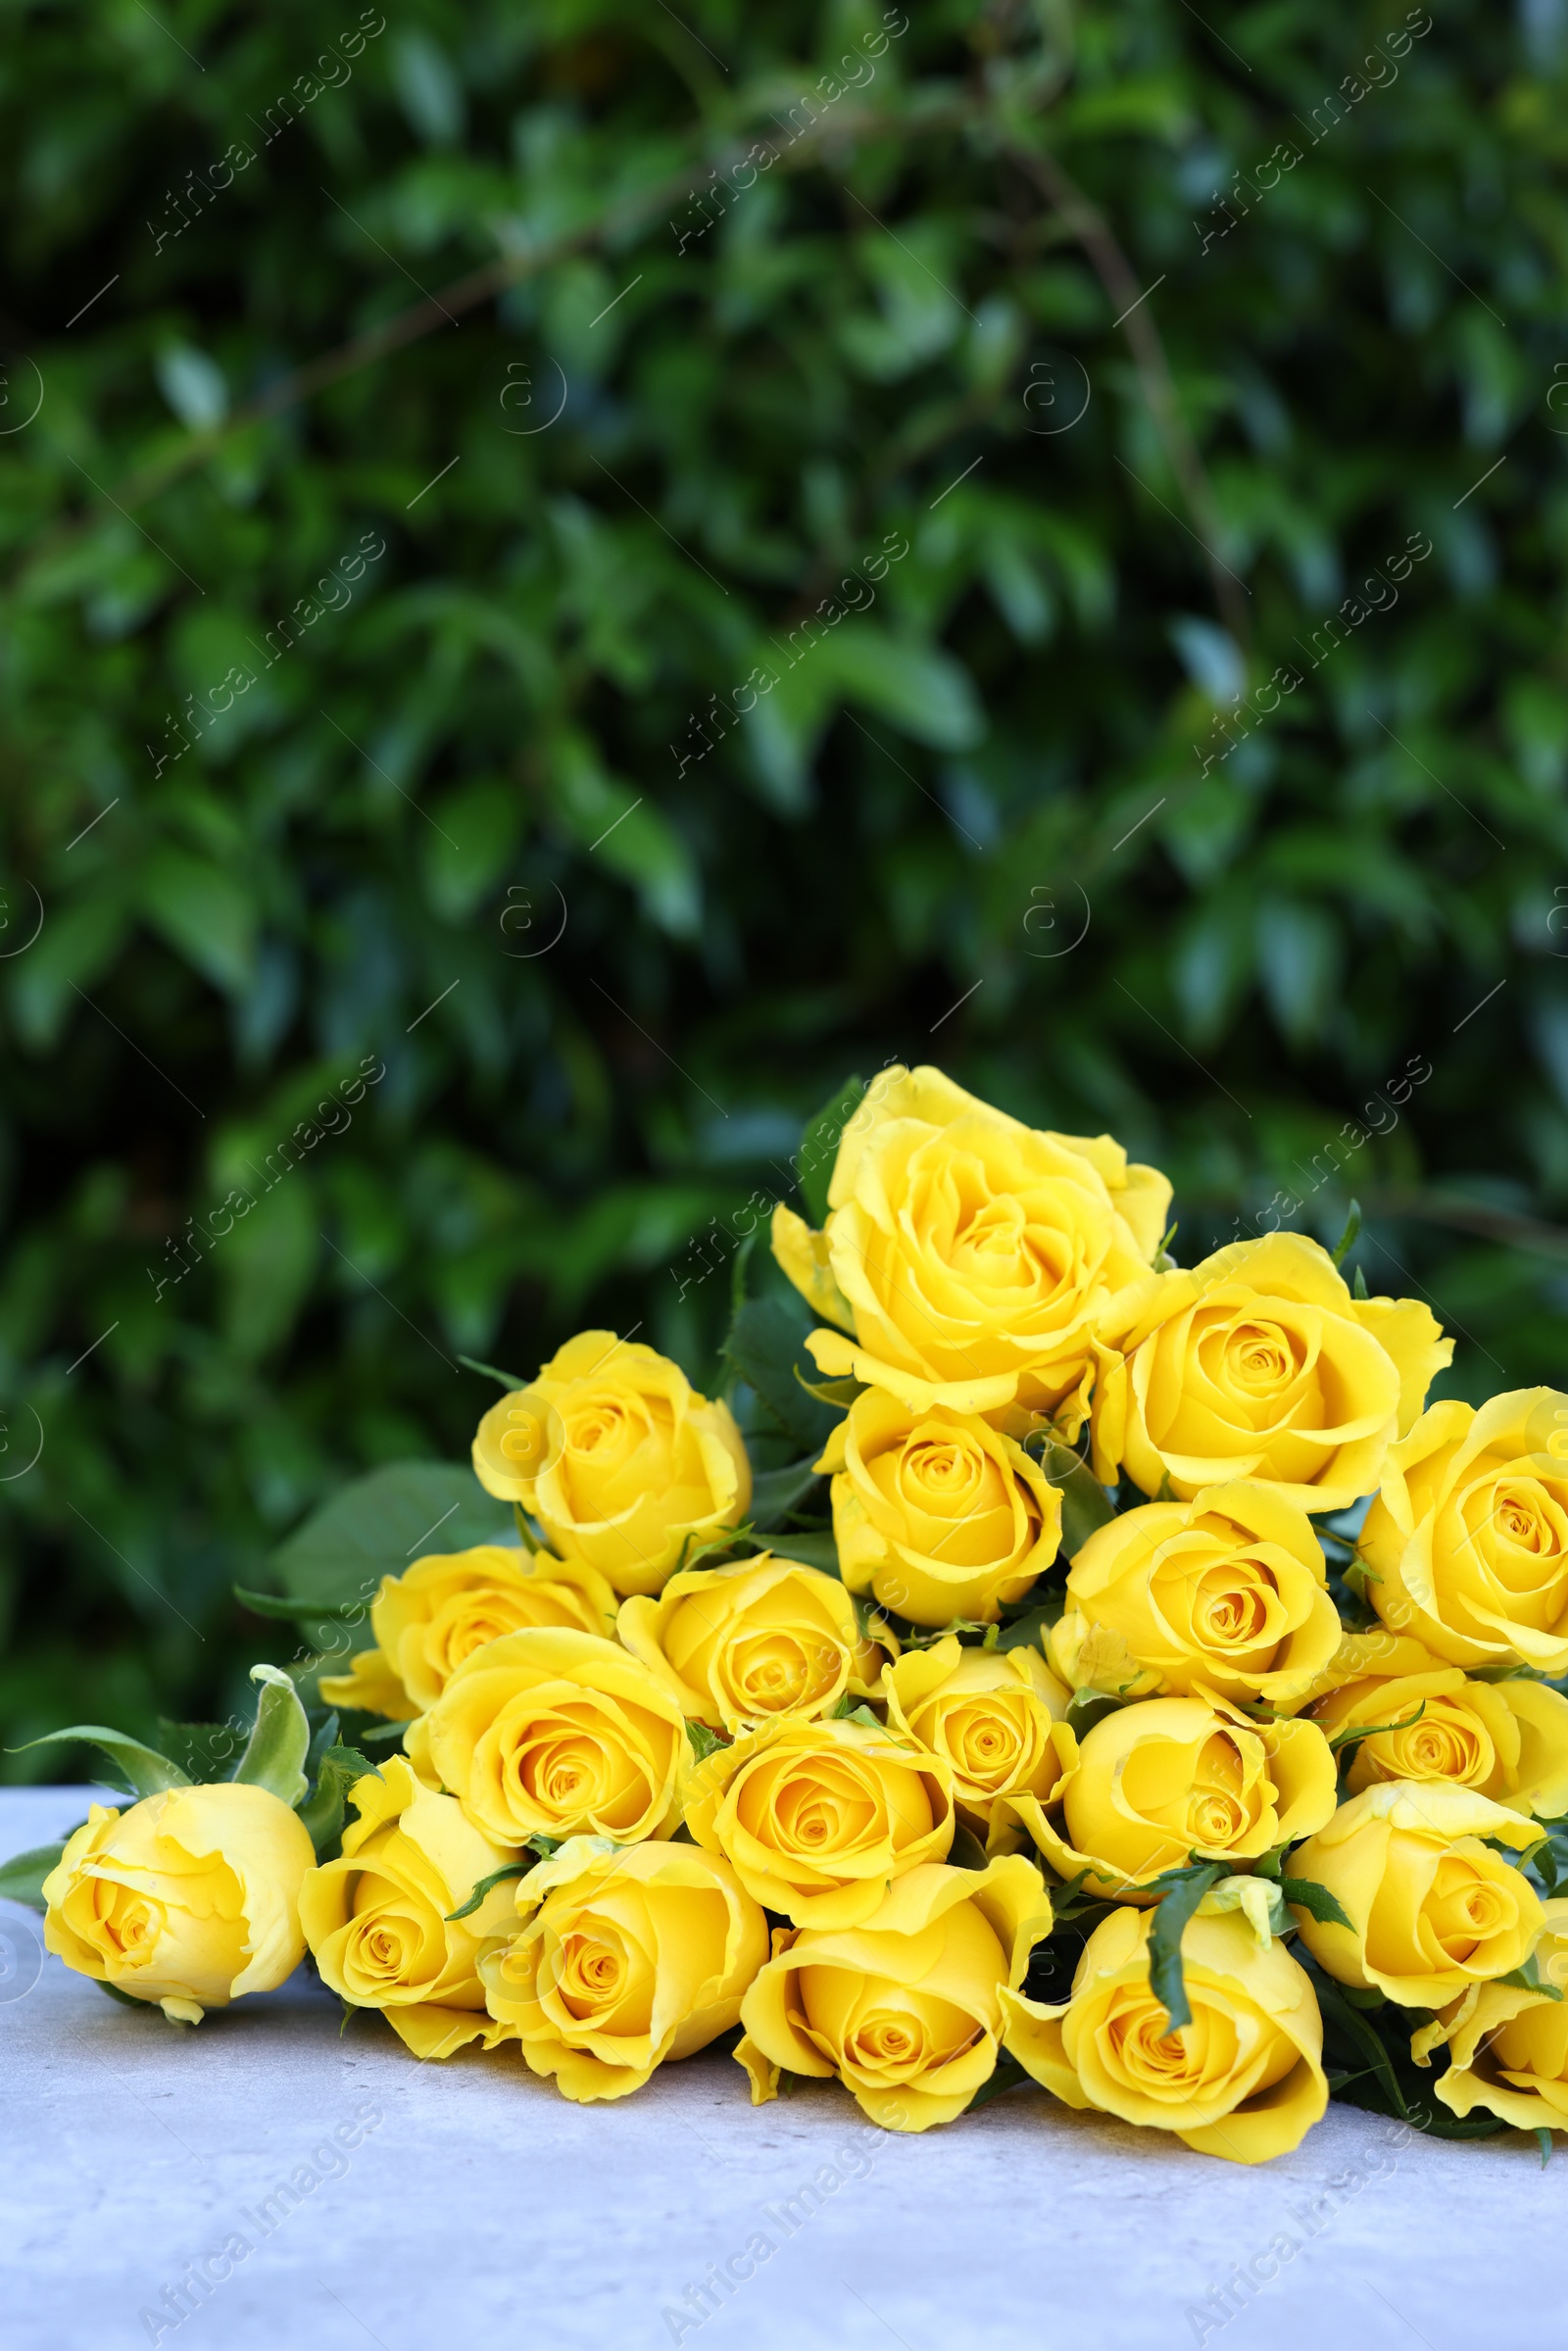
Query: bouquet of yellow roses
{"points": [[1042, 1662]]}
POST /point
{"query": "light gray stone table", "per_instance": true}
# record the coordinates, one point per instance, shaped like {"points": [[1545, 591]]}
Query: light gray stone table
{"points": [[483, 2210]]}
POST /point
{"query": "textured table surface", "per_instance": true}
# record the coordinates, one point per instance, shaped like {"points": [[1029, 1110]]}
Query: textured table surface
{"points": [[481, 2209]]}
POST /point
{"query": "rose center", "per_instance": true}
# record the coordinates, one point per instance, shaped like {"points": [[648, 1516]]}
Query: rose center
{"points": [[1260, 1358]]}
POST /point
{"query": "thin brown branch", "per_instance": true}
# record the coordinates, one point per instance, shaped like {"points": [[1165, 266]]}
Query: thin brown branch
{"points": [[1090, 226]]}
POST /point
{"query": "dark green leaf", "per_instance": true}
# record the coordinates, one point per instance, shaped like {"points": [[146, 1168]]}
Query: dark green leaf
{"points": [[1306, 1893], [22, 1877], [766, 1344], [819, 1147], [1528, 1977], [379, 1524], [1085, 1503], [775, 1493], [1009, 2074], [1187, 1888]]}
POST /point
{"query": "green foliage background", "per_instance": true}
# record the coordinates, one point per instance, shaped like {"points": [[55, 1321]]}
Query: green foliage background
{"points": [[873, 343]]}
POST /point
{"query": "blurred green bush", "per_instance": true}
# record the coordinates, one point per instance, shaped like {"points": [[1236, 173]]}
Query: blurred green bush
{"points": [[421, 433]]}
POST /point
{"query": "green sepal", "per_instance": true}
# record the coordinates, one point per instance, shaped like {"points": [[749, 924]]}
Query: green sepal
{"points": [[703, 1741], [514, 1869], [1307, 1894], [127, 1999], [384, 1731], [488, 1371], [324, 1809], [1185, 1888], [22, 1877], [1351, 1734], [1346, 1240], [541, 1847], [277, 1604], [849, 1711], [279, 1740], [147, 1772], [1359, 1288], [1544, 2142]]}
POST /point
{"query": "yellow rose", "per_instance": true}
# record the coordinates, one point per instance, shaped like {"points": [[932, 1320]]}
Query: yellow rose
{"points": [[820, 1818], [1244, 2080], [1258, 1363], [1166, 1780], [995, 1717], [741, 1646], [628, 1956], [555, 1733], [1508, 2046], [905, 2009], [1228, 1590], [444, 1607], [190, 1898], [1470, 1531], [377, 1920], [1507, 1739], [970, 1255], [936, 1512], [1432, 1909], [617, 1457]]}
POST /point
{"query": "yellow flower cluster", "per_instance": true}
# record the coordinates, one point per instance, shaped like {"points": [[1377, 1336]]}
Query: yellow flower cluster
{"points": [[659, 1783]]}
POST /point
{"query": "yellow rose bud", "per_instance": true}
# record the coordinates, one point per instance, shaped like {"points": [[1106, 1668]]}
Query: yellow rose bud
{"points": [[1258, 1363], [972, 1254], [427, 1620], [1244, 2080], [190, 1898], [820, 1818], [1432, 1908], [1508, 2046], [378, 1921], [1168, 1779], [628, 1956], [1228, 1590], [994, 1718], [741, 1646], [1470, 1532], [555, 1733], [937, 1513], [617, 1457], [905, 2010], [1507, 1739]]}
